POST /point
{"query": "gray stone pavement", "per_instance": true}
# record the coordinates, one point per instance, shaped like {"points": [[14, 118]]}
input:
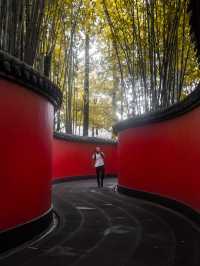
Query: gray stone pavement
{"points": [[99, 227]]}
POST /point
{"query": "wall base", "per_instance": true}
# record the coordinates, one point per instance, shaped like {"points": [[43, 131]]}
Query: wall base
{"points": [[19, 235], [77, 178], [177, 206]]}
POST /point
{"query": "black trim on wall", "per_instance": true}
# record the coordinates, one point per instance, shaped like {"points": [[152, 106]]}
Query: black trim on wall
{"points": [[176, 110], [59, 180], [74, 138], [177, 206], [15, 70], [17, 236]]}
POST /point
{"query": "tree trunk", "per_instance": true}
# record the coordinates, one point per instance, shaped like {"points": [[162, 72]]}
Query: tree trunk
{"points": [[47, 64], [58, 121], [86, 87], [115, 89]]}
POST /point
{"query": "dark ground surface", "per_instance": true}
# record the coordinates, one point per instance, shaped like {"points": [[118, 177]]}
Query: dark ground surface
{"points": [[99, 227]]}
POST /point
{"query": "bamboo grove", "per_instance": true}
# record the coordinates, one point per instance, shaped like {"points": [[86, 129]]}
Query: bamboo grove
{"points": [[112, 59]]}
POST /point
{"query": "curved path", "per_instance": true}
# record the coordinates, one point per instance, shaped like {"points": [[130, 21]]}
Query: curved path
{"points": [[101, 227]]}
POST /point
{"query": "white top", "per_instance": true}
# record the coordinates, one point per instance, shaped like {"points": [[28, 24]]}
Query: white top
{"points": [[99, 161]]}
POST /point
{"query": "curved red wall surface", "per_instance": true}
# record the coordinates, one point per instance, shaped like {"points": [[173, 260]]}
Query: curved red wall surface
{"points": [[25, 159], [163, 158], [72, 158]]}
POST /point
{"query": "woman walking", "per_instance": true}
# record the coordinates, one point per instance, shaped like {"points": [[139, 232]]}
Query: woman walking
{"points": [[98, 158]]}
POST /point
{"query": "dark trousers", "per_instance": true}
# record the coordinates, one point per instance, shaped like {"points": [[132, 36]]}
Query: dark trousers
{"points": [[100, 175]]}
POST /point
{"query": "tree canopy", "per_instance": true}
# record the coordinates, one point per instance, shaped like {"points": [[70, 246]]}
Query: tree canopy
{"points": [[112, 59]]}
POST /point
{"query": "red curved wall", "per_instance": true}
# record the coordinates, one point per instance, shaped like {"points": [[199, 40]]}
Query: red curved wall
{"points": [[163, 158], [26, 123], [74, 158]]}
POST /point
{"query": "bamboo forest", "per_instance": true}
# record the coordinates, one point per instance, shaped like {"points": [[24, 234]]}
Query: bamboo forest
{"points": [[112, 59]]}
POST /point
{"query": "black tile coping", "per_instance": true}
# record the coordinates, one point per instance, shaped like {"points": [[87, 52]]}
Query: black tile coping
{"points": [[17, 71], [74, 138], [176, 110]]}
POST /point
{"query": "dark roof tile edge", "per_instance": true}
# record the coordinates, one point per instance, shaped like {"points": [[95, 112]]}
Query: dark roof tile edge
{"points": [[17, 71], [74, 138], [176, 110]]}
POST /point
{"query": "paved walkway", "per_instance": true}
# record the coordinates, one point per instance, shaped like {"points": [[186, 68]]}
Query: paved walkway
{"points": [[99, 227]]}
